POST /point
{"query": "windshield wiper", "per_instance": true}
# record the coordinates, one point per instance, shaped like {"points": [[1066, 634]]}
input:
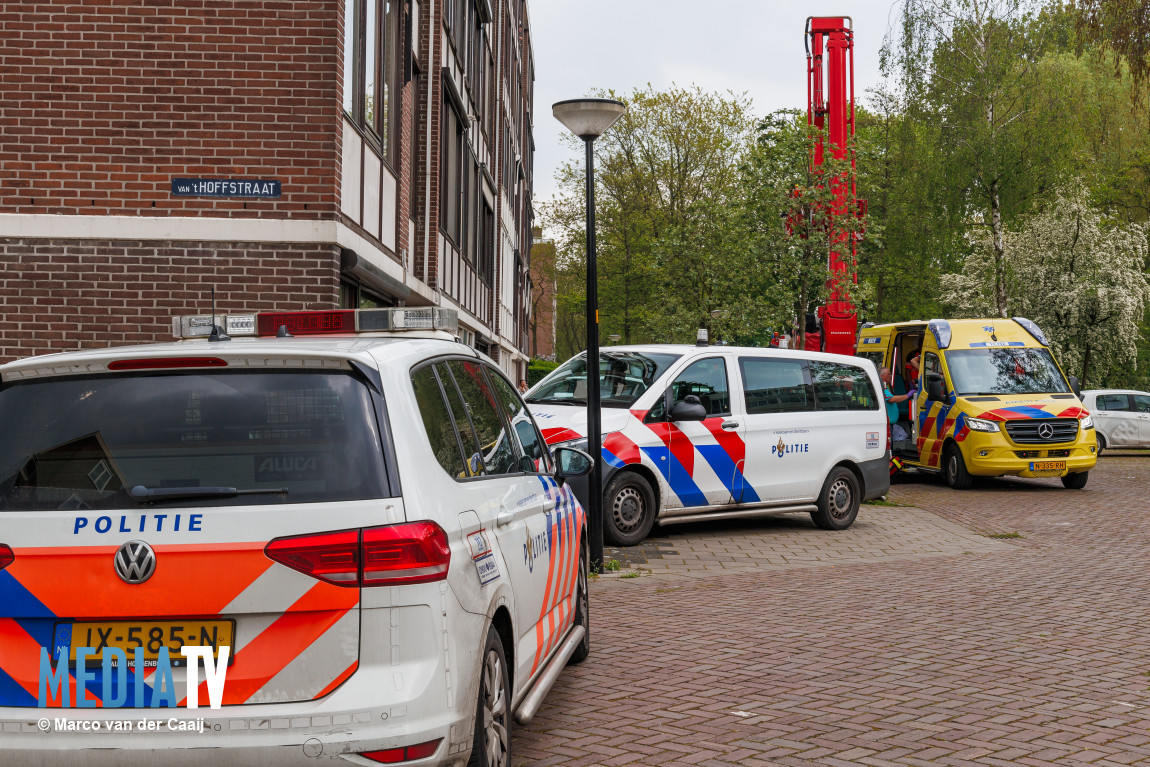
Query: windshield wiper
{"points": [[157, 494]]}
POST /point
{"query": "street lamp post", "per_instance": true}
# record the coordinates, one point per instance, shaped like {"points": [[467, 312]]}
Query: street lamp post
{"points": [[589, 119]]}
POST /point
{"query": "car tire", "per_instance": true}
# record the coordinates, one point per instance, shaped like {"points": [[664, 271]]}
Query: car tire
{"points": [[583, 605], [628, 509], [838, 501], [1101, 442], [491, 745], [954, 467], [1075, 481]]}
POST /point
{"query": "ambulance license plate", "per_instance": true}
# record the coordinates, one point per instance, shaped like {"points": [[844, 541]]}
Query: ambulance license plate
{"points": [[1048, 465], [152, 636]]}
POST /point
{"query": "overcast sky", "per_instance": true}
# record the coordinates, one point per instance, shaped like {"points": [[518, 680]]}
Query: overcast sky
{"points": [[752, 46]]}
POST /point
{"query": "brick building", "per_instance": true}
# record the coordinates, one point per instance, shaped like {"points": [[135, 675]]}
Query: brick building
{"points": [[381, 151]]}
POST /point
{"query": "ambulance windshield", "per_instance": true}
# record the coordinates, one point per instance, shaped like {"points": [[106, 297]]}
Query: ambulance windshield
{"points": [[1005, 370], [189, 439], [623, 377]]}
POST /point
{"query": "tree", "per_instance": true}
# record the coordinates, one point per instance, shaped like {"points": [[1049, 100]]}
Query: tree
{"points": [[970, 67], [667, 178], [1124, 27], [1082, 279]]}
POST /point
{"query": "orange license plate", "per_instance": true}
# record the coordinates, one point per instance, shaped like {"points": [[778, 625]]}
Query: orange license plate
{"points": [[151, 636], [1048, 465]]}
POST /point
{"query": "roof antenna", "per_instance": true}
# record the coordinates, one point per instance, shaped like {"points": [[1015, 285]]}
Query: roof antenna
{"points": [[218, 333]]}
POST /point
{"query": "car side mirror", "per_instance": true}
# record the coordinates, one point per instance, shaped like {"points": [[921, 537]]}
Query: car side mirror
{"points": [[1075, 386], [570, 462], [688, 409], [934, 390]]}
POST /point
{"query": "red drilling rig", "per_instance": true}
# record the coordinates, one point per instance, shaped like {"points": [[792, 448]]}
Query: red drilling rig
{"points": [[831, 109]]}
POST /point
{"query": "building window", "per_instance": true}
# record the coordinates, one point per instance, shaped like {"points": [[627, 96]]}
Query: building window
{"points": [[451, 144], [370, 69]]}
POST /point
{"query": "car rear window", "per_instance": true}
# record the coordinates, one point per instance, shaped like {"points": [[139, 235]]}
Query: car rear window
{"points": [[80, 443]]}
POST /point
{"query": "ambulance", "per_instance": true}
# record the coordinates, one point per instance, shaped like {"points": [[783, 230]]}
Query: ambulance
{"points": [[989, 400], [348, 516]]}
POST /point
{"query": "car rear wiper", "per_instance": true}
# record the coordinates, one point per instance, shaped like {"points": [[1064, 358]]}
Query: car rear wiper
{"points": [[156, 494]]}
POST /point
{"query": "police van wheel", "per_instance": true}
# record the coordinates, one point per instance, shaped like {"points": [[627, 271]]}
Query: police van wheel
{"points": [[1101, 442], [955, 469], [582, 606], [628, 509], [1075, 481], [491, 746], [838, 502]]}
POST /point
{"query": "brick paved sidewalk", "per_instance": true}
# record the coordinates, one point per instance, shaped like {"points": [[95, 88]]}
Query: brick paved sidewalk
{"points": [[1028, 651]]}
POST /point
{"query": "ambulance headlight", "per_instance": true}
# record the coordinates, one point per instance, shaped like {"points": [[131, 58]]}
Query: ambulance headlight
{"points": [[978, 424], [1087, 422]]}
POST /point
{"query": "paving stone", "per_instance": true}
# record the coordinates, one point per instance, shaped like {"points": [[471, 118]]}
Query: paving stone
{"points": [[912, 638]]}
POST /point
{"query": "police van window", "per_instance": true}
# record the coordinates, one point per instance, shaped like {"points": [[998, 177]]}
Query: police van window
{"points": [[1142, 403], [707, 380], [775, 386], [288, 436], [521, 423], [1114, 402], [438, 422], [496, 445], [842, 387]]}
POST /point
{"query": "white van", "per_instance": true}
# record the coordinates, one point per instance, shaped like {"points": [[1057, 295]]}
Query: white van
{"points": [[714, 432]]}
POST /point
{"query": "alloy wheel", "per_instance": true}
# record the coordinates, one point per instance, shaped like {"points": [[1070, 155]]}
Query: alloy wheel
{"points": [[495, 728]]}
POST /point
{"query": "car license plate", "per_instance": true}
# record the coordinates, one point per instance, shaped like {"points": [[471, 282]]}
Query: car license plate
{"points": [[1048, 465], [151, 636]]}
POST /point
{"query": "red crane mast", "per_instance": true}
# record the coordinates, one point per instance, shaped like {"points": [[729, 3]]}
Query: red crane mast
{"points": [[831, 109]]}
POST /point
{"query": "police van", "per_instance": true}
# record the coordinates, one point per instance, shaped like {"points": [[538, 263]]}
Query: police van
{"points": [[719, 432], [991, 400], [347, 517]]}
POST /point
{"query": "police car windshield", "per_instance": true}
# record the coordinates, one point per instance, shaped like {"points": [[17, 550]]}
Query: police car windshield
{"points": [[1005, 370], [623, 377], [264, 437]]}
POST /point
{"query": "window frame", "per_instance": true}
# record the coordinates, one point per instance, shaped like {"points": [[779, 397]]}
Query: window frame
{"points": [[1130, 407], [455, 426], [382, 131], [879, 397], [669, 397], [808, 384]]}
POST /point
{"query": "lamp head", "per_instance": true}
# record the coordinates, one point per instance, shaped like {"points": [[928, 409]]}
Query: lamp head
{"points": [[588, 118]]}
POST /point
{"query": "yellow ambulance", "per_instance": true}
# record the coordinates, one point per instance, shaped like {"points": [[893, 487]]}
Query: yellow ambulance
{"points": [[989, 400]]}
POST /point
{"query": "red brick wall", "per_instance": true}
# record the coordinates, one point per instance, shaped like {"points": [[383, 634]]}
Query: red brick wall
{"points": [[61, 295], [103, 102]]}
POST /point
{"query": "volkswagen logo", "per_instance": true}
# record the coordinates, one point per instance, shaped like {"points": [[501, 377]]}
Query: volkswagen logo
{"points": [[1046, 431], [135, 562]]}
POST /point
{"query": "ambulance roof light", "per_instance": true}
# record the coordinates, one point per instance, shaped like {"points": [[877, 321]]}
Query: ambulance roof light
{"points": [[1033, 329], [324, 322], [941, 331]]}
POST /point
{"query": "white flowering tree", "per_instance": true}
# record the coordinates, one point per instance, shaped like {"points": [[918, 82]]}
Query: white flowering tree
{"points": [[1081, 279]]}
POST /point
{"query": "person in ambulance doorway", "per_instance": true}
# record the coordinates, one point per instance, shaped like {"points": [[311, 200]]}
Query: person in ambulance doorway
{"points": [[897, 433]]}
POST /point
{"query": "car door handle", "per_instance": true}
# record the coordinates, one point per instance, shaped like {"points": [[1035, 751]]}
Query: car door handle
{"points": [[507, 516], [550, 504], [730, 424]]}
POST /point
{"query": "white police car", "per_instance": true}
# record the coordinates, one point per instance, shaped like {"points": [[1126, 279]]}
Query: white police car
{"points": [[719, 432], [350, 515]]}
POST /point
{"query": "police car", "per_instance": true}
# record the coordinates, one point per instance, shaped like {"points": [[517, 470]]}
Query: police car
{"points": [[339, 535], [720, 432]]}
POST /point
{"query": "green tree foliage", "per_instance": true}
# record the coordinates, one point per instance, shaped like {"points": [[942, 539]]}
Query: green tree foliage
{"points": [[1080, 278]]}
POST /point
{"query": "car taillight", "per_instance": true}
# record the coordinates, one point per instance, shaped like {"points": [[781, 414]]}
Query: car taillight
{"points": [[413, 553], [6, 556], [392, 555], [167, 363], [410, 753]]}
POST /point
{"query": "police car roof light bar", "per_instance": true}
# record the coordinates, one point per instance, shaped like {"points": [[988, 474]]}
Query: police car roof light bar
{"points": [[325, 322], [941, 331]]}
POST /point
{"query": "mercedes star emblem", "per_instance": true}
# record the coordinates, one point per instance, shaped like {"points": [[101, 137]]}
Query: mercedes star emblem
{"points": [[135, 562], [1045, 430]]}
